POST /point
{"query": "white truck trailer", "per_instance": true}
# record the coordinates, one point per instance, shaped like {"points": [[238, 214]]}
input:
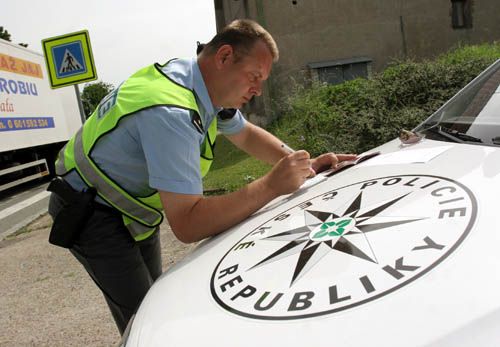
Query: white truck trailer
{"points": [[35, 120]]}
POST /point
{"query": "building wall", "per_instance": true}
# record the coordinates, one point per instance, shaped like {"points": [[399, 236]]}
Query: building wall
{"points": [[315, 31]]}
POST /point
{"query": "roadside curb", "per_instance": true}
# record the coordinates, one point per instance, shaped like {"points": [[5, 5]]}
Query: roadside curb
{"points": [[15, 213]]}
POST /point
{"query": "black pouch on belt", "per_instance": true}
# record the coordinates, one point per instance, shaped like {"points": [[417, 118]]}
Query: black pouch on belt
{"points": [[72, 217]]}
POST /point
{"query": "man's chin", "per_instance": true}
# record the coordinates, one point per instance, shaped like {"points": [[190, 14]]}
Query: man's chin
{"points": [[244, 102], [237, 106]]}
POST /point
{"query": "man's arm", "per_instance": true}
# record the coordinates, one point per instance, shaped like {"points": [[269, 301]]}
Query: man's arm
{"points": [[267, 147], [259, 143], [195, 217]]}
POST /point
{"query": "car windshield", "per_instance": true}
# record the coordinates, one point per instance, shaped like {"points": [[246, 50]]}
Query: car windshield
{"points": [[472, 115]]}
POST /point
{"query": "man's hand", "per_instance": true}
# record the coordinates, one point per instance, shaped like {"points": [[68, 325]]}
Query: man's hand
{"points": [[329, 161], [289, 173]]}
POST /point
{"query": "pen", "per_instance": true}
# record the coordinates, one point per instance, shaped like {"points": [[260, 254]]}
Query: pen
{"points": [[286, 148], [290, 151]]}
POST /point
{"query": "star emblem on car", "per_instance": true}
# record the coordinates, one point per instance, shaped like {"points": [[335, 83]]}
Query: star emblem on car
{"points": [[327, 231]]}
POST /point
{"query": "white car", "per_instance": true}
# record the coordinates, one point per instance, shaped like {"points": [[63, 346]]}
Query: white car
{"points": [[401, 249]]}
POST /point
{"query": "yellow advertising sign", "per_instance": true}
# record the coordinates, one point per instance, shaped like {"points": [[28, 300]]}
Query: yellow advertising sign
{"points": [[20, 66]]}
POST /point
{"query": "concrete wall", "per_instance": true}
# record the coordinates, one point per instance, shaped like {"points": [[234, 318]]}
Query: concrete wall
{"points": [[309, 31]]}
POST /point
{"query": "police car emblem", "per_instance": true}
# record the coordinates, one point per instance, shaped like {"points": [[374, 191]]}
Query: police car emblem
{"points": [[344, 248]]}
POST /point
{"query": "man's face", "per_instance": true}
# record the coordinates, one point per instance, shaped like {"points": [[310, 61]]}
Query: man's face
{"points": [[243, 78]]}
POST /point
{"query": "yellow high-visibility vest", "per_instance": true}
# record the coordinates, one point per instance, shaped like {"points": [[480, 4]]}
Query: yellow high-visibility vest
{"points": [[148, 87]]}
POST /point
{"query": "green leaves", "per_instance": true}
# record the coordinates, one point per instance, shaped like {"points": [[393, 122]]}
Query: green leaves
{"points": [[364, 113], [4, 34], [92, 94]]}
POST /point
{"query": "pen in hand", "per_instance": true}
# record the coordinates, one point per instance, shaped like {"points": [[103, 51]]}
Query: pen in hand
{"points": [[286, 148], [289, 150]]}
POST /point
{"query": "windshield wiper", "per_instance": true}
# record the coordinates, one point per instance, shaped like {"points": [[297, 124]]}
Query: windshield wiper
{"points": [[459, 135], [454, 135]]}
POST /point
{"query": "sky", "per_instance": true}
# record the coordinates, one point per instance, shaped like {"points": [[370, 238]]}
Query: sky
{"points": [[125, 35]]}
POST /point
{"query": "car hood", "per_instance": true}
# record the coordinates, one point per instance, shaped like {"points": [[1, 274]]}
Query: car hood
{"points": [[398, 250]]}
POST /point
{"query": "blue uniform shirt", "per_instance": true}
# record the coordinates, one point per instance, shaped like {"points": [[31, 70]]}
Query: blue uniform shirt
{"points": [[159, 148]]}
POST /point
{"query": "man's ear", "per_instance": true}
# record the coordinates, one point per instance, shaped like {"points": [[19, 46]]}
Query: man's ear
{"points": [[223, 56]]}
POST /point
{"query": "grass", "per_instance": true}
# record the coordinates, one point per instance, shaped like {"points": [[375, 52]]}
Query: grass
{"points": [[232, 168], [15, 234]]}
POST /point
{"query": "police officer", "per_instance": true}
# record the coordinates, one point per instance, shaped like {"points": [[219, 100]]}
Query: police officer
{"points": [[145, 150]]}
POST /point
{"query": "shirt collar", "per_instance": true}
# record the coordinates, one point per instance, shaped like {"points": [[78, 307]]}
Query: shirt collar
{"points": [[201, 90]]}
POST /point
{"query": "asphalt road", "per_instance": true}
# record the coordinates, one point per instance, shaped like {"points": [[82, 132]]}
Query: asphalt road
{"points": [[21, 205]]}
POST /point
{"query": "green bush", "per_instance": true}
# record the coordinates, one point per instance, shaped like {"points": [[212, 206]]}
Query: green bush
{"points": [[364, 113]]}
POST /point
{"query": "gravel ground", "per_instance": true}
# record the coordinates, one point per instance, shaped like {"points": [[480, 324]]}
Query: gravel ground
{"points": [[47, 298]]}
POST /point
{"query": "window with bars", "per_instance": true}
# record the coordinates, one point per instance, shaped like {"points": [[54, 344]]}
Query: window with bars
{"points": [[335, 72]]}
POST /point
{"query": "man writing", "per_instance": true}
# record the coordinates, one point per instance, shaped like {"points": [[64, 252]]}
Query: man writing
{"points": [[145, 150]]}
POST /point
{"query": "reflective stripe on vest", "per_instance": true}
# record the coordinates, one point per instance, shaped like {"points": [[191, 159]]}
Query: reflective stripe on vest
{"points": [[141, 215], [112, 193]]}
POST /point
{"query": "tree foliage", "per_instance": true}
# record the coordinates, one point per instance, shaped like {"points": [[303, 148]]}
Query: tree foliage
{"points": [[92, 94], [4, 34]]}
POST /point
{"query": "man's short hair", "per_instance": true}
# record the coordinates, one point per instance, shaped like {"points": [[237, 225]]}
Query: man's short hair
{"points": [[242, 34]]}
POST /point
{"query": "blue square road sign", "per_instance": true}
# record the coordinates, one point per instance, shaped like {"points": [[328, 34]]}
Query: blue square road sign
{"points": [[69, 59]]}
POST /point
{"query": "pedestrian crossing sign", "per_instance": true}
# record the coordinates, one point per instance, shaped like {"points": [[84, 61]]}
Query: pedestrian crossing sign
{"points": [[69, 59]]}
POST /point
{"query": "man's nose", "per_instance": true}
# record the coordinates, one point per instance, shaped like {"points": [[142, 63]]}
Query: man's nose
{"points": [[257, 89]]}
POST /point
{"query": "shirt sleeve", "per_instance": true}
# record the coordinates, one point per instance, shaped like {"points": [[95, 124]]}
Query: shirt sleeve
{"points": [[171, 146], [232, 125]]}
